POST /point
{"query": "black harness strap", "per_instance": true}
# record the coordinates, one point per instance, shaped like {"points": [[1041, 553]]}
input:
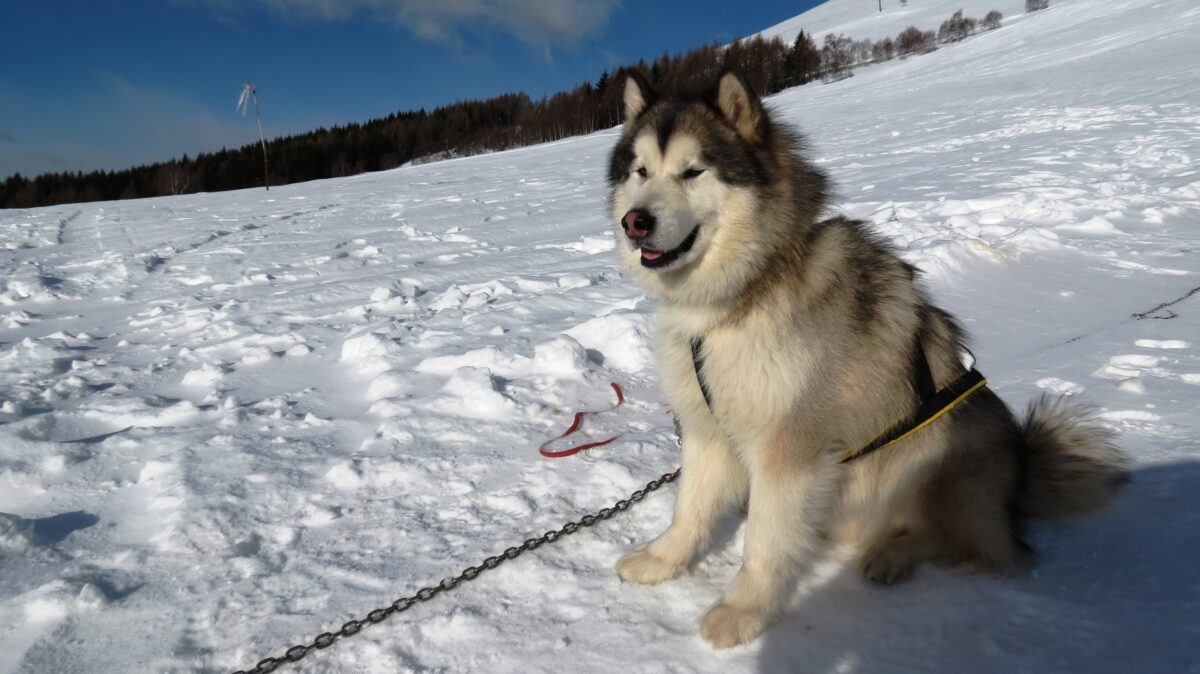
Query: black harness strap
{"points": [[933, 402], [929, 410], [922, 375], [698, 364]]}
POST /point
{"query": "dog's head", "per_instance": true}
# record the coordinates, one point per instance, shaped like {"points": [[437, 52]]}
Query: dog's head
{"points": [[687, 180]]}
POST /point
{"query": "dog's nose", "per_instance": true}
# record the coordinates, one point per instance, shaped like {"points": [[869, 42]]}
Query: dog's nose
{"points": [[638, 224]]}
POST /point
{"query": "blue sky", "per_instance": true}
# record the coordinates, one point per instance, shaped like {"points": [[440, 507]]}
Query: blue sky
{"points": [[90, 85]]}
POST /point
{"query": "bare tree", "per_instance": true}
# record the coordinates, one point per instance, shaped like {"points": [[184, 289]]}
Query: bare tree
{"points": [[956, 28], [1035, 5], [171, 178], [862, 50], [884, 50], [836, 58], [913, 40], [991, 20]]}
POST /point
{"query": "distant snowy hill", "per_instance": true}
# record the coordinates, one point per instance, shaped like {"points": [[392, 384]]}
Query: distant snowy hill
{"points": [[229, 422], [861, 19]]}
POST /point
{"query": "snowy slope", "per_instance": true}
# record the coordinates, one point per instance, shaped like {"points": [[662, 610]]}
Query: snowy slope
{"points": [[861, 19], [229, 422]]}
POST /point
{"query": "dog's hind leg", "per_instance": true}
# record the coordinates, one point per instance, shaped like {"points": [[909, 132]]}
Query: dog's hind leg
{"points": [[790, 497], [975, 528], [968, 498], [960, 508], [964, 521], [895, 555], [712, 481]]}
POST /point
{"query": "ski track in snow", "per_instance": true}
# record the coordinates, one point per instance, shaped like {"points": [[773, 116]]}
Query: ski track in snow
{"points": [[229, 422]]}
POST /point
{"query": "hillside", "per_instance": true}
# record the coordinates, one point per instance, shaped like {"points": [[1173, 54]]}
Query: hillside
{"points": [[860, 19], [229, 422]]}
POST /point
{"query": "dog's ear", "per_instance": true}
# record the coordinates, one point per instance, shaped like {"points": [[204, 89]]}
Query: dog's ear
{"points": [[638, 95], [740, 106]]}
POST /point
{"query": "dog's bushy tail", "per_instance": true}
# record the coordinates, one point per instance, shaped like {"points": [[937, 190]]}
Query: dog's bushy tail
{"points": [[1071, 465]]}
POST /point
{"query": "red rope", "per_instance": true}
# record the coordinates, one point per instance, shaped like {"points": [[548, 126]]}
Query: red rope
{"points": [[575, 426]]}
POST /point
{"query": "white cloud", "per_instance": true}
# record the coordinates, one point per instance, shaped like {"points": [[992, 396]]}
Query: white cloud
{"points": [[540, 23]]}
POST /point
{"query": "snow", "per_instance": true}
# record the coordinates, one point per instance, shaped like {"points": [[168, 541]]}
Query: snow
{"points": [[229, 422], [859, 19]]}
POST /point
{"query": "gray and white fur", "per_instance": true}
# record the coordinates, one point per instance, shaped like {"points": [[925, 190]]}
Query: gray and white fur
{"points": [[807, 328]]}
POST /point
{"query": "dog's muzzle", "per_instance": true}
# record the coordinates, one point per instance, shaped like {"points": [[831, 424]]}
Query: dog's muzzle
{"points": [[657, 259]]}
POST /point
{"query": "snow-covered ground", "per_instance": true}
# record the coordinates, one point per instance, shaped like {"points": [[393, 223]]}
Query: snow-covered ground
{"points": [[859, 19], [231, 421]]}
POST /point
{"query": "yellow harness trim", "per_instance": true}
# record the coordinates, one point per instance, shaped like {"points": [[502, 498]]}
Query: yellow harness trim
{"points": [[954, 403]]}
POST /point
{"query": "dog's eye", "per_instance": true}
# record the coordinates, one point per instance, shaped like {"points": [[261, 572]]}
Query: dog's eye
{"points": [[642, 171], [692, 173]]}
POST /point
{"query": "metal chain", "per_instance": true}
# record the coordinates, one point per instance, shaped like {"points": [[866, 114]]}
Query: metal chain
{"points": [[352, 627], [1164, 305]]}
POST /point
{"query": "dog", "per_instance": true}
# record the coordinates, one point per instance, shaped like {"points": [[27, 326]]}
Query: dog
{"points": [[785, 344]]}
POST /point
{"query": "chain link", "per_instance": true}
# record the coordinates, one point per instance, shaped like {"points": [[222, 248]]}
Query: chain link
{"points": [[1170, 314], [351, 627]]}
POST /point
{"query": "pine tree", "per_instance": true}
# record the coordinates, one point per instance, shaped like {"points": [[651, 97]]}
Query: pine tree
{"points": [[803, 62]]}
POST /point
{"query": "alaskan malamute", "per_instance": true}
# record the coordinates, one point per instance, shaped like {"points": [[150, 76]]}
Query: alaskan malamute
{"points": [[787, 345]]}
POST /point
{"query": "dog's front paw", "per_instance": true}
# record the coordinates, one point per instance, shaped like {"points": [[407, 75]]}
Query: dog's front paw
{"points": [[643, 568], [725, 626]]}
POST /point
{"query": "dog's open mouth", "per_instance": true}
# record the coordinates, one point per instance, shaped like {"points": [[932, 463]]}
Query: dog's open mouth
{"points": [[655, 259]]}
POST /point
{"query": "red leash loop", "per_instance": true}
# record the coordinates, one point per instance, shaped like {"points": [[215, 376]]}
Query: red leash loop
{"points": [[575, 426]]}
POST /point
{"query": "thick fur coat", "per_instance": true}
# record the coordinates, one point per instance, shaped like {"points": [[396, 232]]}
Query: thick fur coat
{"points": [[808, 327]]}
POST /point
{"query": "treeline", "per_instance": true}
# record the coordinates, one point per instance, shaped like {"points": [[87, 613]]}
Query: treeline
{"points": [[841, 54], [478, 126]]}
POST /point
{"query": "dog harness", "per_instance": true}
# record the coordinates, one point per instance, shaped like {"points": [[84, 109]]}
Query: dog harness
{"points": [[934, 402]]}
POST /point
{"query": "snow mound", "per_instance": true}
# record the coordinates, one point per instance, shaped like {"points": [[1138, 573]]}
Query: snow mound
{"points": [[621, 338]]}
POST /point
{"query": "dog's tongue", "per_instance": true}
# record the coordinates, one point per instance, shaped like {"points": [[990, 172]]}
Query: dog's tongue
{"points": [[651, 254]]}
